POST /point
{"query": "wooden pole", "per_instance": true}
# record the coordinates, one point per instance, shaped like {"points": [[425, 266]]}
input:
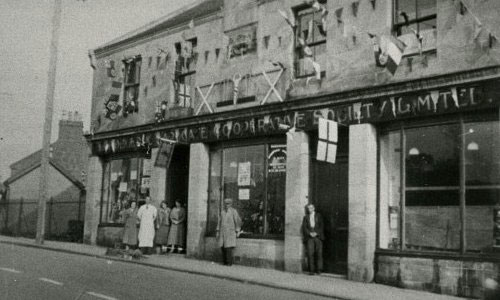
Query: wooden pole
{"points": [[47, 127]]}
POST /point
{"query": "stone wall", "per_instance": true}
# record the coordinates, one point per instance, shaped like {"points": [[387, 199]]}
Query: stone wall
{"points": [[442, 276]]}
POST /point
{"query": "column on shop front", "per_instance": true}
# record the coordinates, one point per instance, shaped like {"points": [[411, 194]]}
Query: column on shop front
{"points": [[297, 196], [93, 199], [362, 201], [197, 198], [158, 181]]}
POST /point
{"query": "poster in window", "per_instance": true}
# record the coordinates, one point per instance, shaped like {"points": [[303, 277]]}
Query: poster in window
{"points": [[164, 155], [244, 173], [133, 175], [244, 194], [146, 182], [277, 158], [122, 187], [147, 167]]}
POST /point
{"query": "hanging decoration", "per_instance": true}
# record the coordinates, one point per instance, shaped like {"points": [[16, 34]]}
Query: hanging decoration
{"points": [[236, 83], [204, 99], [112, 107], [272, 86], [289, 21], [161, 111], [110, 68], [388, 51], [338, 15], [478, 25], [355, 6], [374, 3], [242, 41]]}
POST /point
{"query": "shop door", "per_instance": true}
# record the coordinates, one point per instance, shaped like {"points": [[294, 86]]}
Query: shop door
{"points": [[178, 176], [331, 200]]}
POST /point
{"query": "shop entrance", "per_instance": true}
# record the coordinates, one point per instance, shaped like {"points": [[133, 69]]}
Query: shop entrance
{"points": [[330, 196], [178, 176]]}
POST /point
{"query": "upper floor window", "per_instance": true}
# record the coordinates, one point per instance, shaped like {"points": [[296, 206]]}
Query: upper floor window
{"points": [[310, 41], [132, 80], [416, 19]]}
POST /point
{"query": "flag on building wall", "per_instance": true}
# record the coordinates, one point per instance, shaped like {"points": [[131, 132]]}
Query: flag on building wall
{"points": [[388, 51], [327, 141]]}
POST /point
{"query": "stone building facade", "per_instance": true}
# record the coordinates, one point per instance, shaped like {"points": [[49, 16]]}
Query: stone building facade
{"points": [[238, 89]]}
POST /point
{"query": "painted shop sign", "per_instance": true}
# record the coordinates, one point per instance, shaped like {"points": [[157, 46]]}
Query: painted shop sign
{"points": [[376, 110]]}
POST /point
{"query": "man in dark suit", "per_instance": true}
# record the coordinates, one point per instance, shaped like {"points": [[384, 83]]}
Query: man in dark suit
{"points": [[312, 229]]}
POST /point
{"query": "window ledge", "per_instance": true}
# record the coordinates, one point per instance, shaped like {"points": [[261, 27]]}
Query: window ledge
{"points": [[493, 256]]}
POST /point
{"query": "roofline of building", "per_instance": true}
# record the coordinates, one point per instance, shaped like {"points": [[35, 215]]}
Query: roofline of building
{"points": [[58, 167], [154, 28]]}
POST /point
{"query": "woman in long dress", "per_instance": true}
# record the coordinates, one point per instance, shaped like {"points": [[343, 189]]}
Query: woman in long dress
{"points": [[130, 221], [162, 227], [177, 228]]}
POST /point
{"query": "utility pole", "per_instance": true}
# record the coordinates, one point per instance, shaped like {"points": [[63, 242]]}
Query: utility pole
{"points": [[47, 126]]}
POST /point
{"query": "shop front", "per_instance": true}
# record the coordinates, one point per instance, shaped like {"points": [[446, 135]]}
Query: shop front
{"points": [[409, 201]]}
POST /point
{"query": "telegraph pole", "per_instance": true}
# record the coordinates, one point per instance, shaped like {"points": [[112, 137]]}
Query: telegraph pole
{"points": [[47, 126]]}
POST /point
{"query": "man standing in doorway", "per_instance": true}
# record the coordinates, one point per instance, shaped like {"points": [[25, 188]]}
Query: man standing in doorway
{"points": [[228, 228], [147, 216], [312, 229]]}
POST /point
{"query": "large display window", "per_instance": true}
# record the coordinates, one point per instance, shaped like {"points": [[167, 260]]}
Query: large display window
{"points": [[440, 186], [125, 179], [254, 177]]}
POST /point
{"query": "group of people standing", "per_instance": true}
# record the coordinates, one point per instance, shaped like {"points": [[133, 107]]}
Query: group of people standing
{"points": [[164, 227]]}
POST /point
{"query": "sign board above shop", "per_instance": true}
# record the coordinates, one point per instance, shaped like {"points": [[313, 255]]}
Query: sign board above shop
{"points": [[382, 109]]}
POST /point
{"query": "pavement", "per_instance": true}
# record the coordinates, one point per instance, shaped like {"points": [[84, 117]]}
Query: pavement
{"points": [[323, 285]]}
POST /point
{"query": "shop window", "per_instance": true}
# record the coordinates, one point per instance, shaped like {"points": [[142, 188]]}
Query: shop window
{"points": [[431, 176], [254, 177], [414, 17], [125, 180], [132, 81], [309, 29]]}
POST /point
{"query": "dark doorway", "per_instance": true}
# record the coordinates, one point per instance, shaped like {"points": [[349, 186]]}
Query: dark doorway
{"points": [[330, 196], [178, 176]]}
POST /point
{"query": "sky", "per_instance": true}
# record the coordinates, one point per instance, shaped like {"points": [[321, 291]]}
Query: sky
{"points": [[25, 32]]}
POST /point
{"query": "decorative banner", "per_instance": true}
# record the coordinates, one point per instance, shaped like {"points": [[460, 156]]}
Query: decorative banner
{"points": [[242, 41], [381, 109], [164, 155], [244, 173], [276, 158]]}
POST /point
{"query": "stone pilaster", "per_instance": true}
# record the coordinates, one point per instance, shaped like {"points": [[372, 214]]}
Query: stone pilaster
{"points": [[362, 201], [199, 163], [158, 181], [297, 196]]}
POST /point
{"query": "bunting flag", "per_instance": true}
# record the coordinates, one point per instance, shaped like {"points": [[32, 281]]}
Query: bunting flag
{"points": [[327, 141], [388, 52], [420, 40], [290, 22], [435, 98], [454, 95]]}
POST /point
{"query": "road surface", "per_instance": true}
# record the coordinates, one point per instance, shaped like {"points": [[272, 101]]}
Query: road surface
{"points": [[33, 273]]}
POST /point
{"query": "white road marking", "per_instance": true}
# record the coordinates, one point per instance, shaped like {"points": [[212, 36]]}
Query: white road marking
{"points": [[50, 281], [101, 296], [10, 270]]}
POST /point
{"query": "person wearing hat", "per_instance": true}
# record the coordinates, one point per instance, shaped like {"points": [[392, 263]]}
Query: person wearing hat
{"points": [[228, 229]]}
